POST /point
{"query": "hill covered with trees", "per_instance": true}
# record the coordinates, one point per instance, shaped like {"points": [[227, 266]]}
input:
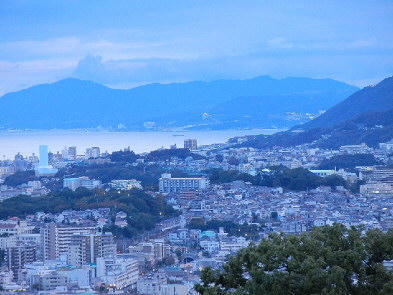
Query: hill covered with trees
{"points": [[298, 179], [371, 99], [331, 260], [349, 161], [364, 117], [143, 211]]}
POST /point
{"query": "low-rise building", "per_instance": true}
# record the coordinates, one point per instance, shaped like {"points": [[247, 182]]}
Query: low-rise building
{"points": [[74, 183], [118, 272], [169, 184], [125, 184]]}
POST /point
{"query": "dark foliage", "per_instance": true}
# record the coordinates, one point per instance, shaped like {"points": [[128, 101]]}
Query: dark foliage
{"points": [[349, 161], [167, 154], [331, 260], [233, 161], [143, 210], [19, 178], [123, 156], [219, 158], [218, 176], [298, 179]]}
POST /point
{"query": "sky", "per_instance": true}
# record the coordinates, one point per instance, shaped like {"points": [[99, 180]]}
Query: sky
{"points": [[123, 44]]}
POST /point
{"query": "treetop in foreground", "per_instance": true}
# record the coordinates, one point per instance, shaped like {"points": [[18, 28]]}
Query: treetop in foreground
{"points": [[328, 260]]}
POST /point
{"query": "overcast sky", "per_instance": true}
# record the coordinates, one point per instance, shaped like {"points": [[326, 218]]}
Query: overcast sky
{"points": [[126, 43]]}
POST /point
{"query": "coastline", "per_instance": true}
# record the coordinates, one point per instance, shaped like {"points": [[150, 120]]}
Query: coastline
{"points": [[27, 142]]}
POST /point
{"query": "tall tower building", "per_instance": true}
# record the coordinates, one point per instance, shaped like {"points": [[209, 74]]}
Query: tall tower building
{"points": [[43, 168], [44, 155]]}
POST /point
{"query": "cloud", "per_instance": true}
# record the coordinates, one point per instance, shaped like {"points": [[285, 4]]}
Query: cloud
{"points": [[127, 73], [147, 70], [75, 47], [279, 43], [20, 75]]}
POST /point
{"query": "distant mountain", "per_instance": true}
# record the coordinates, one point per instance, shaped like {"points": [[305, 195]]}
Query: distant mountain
{"points": [[370, 99], [365, 125], [260, 102]]}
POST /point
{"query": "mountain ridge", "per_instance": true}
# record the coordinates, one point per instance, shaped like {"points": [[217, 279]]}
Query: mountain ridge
{"points": [[72, 103], [356, 104], [365, 125]]}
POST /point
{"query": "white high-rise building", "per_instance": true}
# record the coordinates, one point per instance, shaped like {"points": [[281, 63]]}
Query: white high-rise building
{"points": [[43, 168], [43, 155], [85, 249]]}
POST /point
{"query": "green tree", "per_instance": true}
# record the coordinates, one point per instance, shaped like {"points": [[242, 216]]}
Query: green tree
{"points": [[219, 158], [329, 260], [123, 156], [233, 161], [333, 181], [19, 178], [349, 161]]}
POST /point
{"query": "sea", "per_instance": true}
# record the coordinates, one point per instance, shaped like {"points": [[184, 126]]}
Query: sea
{"points": [[27, 142]]}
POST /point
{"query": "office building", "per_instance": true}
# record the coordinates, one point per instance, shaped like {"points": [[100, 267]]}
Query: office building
{"points": [[190, 144], [50, 280], [168, 184], [72, 153], [93, 152]]}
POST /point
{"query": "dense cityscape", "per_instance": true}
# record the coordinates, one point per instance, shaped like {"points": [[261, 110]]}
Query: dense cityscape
{"points": [[201, 205], [196, 147]]}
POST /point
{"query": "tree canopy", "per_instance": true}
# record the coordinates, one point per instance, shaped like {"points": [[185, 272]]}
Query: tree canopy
{"points": [[19, 178], [328, 260], [167, 154], [298, 179], [123, 156], [349, 161], [143, 210]]}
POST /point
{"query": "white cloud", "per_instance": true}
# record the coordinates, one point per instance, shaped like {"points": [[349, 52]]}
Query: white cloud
{"points": [[280, 43], [74, 47], [15, 76]]}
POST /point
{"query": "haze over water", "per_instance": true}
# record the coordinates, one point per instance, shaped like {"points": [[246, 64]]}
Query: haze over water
{"points": [[27, 142]]}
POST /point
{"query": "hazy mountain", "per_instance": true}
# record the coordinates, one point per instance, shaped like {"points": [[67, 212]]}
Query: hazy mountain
{"points": [[73, 103], [365, 124], [370, 99]]}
